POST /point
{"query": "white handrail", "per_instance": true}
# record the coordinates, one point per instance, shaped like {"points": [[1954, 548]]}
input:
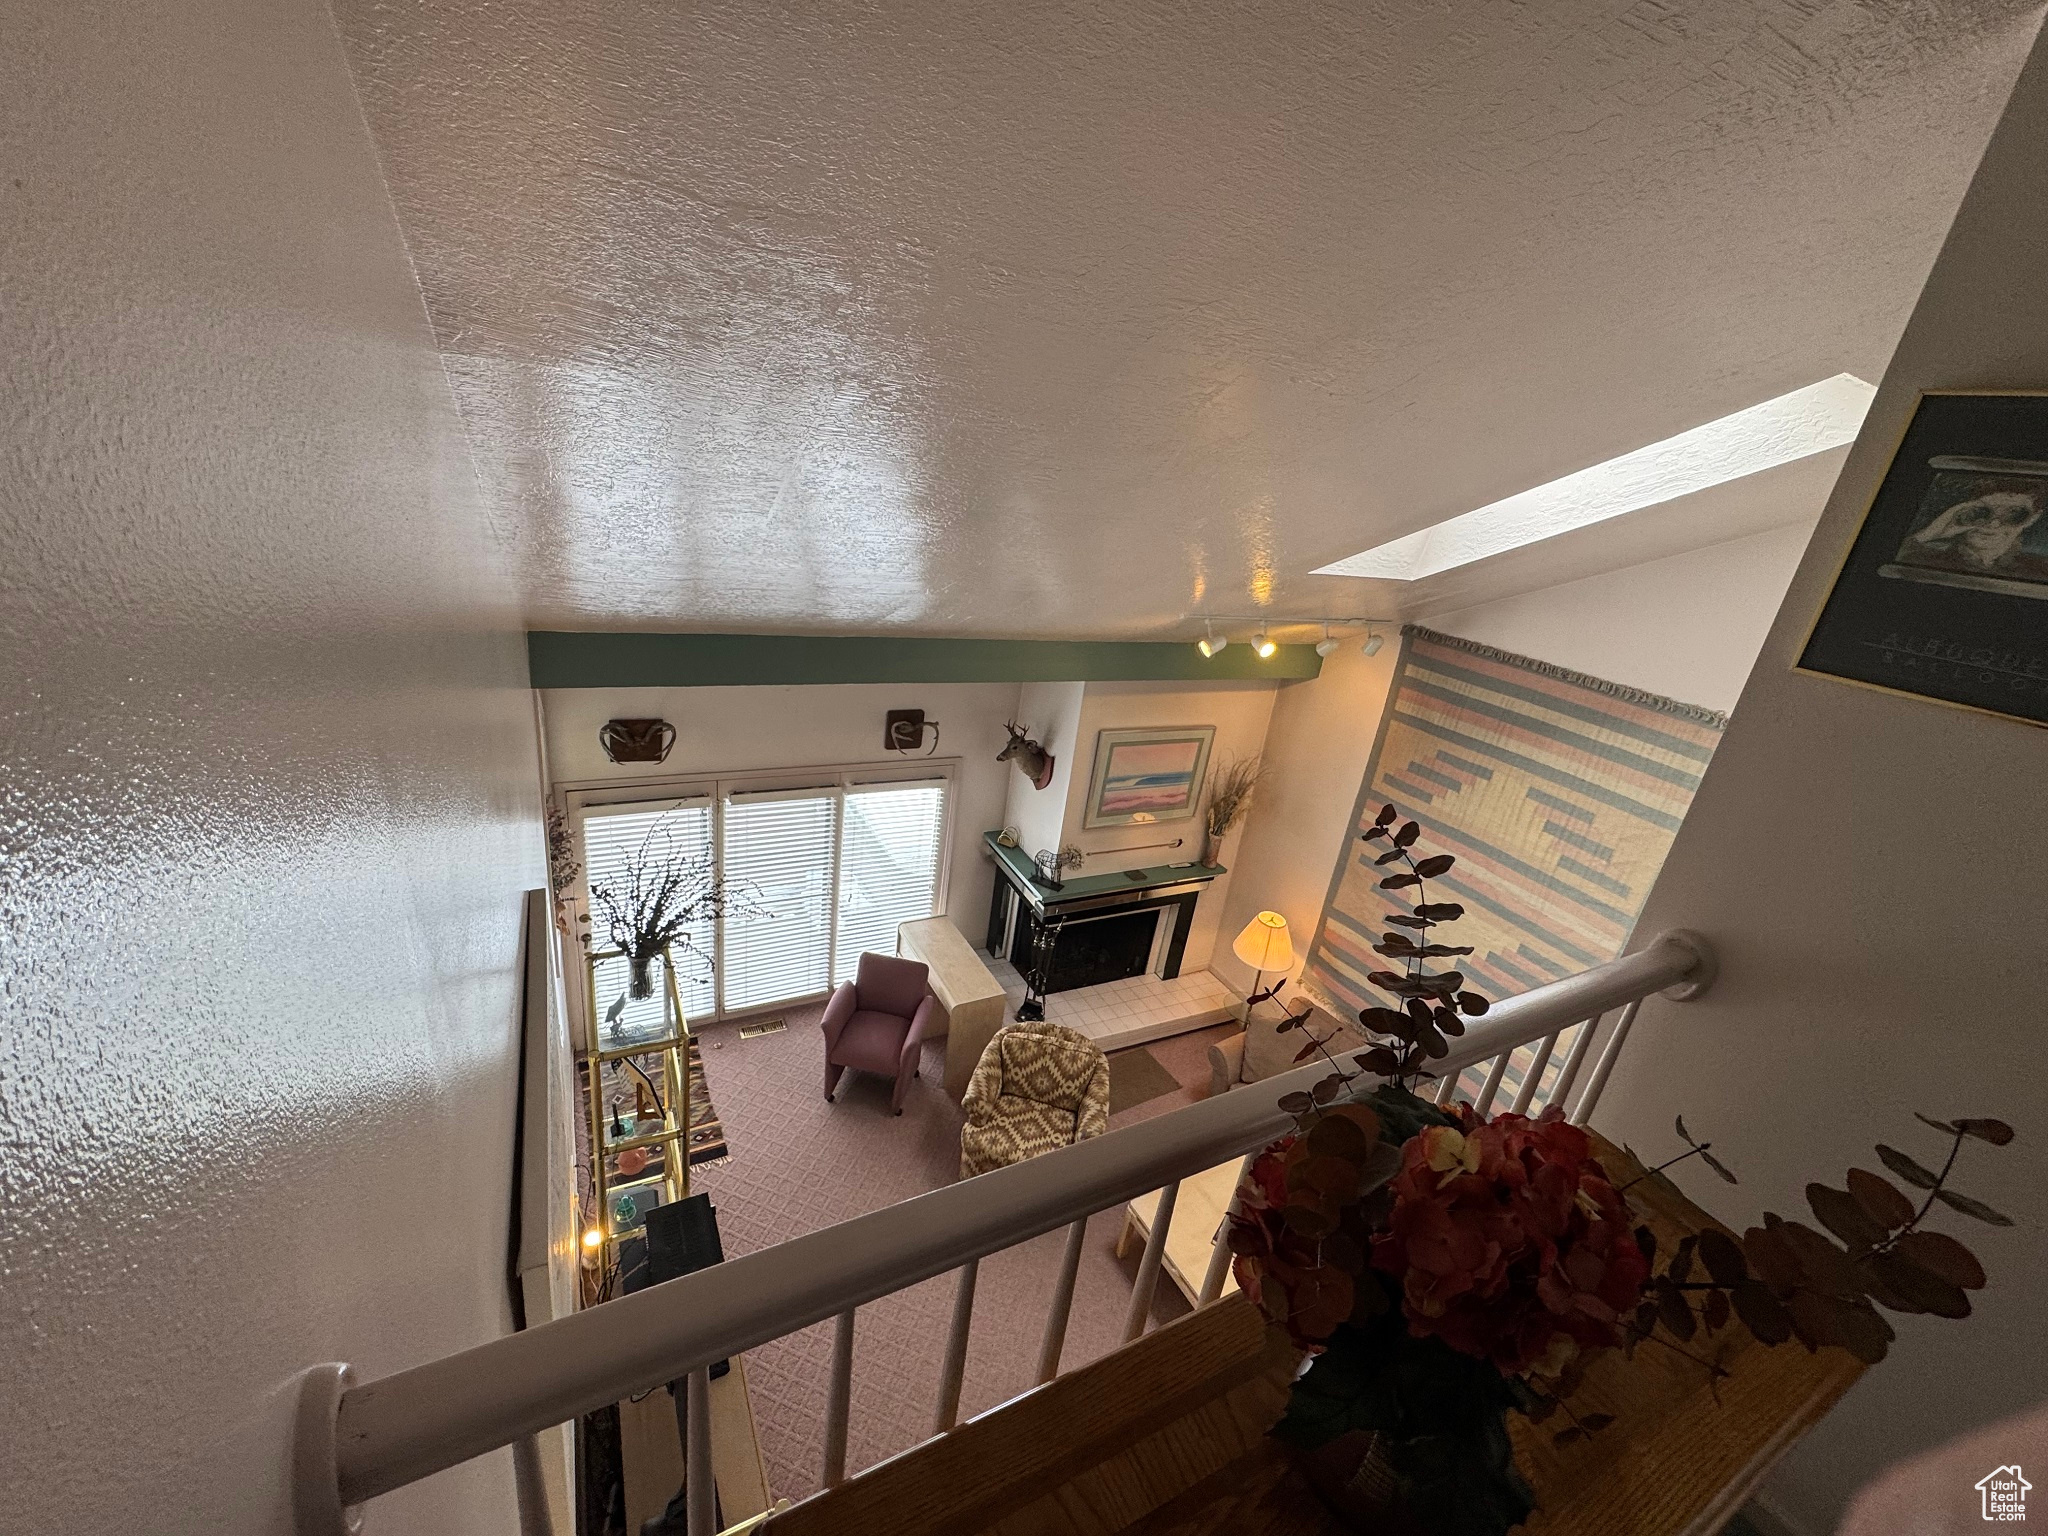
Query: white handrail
{"points": [[403, 1427]]}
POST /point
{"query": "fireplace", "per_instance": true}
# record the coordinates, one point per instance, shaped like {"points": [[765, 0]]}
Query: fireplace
{"points": [[1108, 926], [1090, 949]]}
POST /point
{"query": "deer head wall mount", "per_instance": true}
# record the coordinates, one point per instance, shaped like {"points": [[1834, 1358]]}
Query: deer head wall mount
{"points": [[1032, 760]]}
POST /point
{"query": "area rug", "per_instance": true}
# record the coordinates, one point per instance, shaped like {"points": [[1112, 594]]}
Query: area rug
{"points": [[1558, 793], [1136, 1077], [707, 1132]]}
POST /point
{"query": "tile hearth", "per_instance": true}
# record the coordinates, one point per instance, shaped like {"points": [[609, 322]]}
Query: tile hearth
{"points": [[1130, 1012]]}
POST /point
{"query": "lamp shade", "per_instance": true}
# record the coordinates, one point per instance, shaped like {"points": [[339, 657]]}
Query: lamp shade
{"points": [[1264, 944]]}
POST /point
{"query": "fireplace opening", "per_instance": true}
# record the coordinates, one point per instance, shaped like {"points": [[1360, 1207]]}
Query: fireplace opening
{"points": [[1089, 951]]}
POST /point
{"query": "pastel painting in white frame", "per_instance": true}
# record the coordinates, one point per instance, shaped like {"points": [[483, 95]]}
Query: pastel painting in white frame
{"points": [[1148, 775]]}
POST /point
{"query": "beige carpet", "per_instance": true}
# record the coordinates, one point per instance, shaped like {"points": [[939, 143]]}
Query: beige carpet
{"points": [[799, 1164]]}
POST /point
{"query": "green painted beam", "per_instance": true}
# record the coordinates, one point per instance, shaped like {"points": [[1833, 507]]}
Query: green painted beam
{"points": [[565, 659]]}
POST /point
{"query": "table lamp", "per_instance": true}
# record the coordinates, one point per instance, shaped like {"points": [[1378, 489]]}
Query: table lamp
{"points": [[1263, 945]]}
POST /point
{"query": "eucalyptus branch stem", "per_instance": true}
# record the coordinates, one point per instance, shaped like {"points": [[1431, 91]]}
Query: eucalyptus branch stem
{"points": [[1667, 1163], [1577, 1422], [1653, 1337], [1939, 1180], [1414, 961]]}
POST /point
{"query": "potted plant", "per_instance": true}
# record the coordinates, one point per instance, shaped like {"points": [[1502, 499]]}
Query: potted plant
{"points": [[1444, 1270]]}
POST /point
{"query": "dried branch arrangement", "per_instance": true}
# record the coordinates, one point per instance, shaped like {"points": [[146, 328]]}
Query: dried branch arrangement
{"points": [[1230, 794], [659, 895]]}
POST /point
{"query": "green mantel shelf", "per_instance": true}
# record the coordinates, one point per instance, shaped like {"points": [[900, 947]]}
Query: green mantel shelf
{"points": [[1082, 887], [624, 659]]}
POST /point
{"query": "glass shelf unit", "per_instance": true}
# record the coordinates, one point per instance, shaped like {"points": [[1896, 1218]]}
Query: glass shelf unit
{"points": [[637, 1084]]}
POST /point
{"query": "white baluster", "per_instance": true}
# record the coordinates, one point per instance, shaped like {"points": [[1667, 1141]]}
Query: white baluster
{"points": [[838, 1399], [1533, 1078], [954, 1369], [1574, 1058], [700, 1493], [1062, 1303], [1447, 1090], [1148, 1266], [1219, 1251], [1597, 1084], [1500, 1067]]}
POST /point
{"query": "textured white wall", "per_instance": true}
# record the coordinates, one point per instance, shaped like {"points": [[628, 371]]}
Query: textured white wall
{"points": [[1051, 716], [1070, 715], [267, 784], [1240, 711], [1687, 626], [731, 730], [1317, 745], [1872, 871], [1143, 310]]}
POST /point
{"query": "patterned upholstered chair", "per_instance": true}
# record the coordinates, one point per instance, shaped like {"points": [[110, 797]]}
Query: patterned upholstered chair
{"points": [[876, 1022], [1037, 1087]]}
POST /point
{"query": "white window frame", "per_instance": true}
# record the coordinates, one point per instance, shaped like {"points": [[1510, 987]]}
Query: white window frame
{"points": [[575, 798]]}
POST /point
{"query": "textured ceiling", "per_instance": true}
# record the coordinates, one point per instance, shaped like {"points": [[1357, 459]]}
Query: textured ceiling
{"points": [[1070, 319]]}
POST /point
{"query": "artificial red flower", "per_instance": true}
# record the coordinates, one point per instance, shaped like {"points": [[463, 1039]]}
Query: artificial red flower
{"points": [[1505, 1236]]}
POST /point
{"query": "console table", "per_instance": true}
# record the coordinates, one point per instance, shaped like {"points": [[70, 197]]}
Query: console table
{"points": [[970, 998]]}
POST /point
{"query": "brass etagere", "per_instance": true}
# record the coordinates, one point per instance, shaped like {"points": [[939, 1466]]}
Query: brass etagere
{"points": [[617, 1047]]}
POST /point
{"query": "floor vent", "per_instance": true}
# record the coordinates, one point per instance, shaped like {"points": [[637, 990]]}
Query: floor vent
{"points": [[765, 1027]]}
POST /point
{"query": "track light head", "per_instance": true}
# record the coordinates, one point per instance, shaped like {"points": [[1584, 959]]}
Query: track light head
{"points": [[1372, 645], [1264, 646], [1327, 647], [1209, 645]]}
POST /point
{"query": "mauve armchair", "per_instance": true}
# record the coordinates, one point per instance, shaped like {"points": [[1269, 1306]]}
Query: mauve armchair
{"points": [[876, 1022]]}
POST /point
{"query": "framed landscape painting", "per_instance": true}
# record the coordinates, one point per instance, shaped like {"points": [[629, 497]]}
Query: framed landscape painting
{"points": [[1944, 592], [1147, 775]]}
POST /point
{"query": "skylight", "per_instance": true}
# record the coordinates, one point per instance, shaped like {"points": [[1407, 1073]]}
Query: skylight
{"points": [[1807, 421]]}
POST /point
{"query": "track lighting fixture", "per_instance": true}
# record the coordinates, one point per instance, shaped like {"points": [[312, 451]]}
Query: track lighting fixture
{"points": [[1265, 647]]}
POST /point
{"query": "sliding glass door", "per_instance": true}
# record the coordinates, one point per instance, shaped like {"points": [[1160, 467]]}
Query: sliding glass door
{"points": [[780, 853], [815, 874], [627, 851], [890, 845]]}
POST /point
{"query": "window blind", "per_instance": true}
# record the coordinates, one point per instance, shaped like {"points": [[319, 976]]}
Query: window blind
{"points": [[779, 856], [833, 869], [888, 866], [678, 834]]}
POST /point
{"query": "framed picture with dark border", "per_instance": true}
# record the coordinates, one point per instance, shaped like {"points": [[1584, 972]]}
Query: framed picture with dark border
{"points": [[1944, 593]]}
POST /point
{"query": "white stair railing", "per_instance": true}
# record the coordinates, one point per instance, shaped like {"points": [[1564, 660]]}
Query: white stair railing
{"points": [[357, 1440]]}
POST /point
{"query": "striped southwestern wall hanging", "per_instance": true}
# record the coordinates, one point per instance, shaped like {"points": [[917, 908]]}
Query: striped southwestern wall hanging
{"points": [[1559, 794]]}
